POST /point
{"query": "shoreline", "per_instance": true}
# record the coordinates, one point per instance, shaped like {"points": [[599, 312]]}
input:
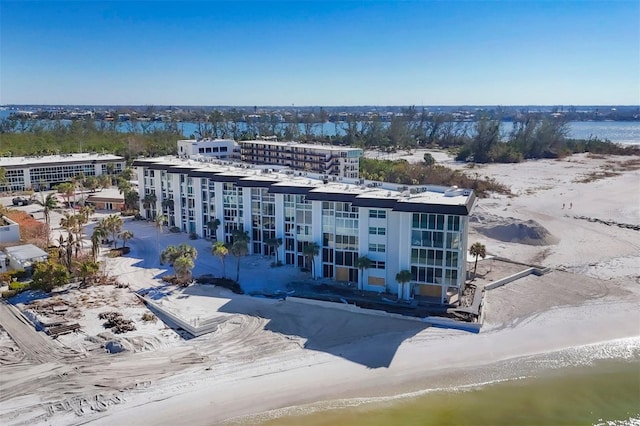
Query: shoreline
{"points": [[362, 385], [269, 355]]}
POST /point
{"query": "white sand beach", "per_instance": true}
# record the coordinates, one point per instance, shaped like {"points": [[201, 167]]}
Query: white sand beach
{"points": [[268, 355]]}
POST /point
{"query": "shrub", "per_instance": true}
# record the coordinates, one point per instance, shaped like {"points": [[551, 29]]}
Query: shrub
{"points": [[120, 251], [19, 287], [148, 316], [174, 229], [222, 282], [276, 264], [193, 236]]}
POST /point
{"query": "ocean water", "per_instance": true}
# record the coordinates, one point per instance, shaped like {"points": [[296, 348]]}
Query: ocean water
{"points": [[590, 385]]}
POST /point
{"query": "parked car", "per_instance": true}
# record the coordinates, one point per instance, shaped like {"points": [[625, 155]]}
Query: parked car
{"points": [[21, 201]]}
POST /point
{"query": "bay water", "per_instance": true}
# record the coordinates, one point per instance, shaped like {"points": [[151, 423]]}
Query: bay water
{"points": [[591, 385]]}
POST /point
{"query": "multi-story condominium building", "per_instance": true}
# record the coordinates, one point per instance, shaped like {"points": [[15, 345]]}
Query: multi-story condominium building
{"points": [[44, 172], [322, 159], [422, 229], [218, 148]]}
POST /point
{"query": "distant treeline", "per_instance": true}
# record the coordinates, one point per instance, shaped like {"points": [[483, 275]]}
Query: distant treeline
{"points": [[533, 136], [36, 138]]}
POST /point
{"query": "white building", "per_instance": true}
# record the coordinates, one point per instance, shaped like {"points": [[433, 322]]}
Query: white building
{"points": [[9, 230], [24, 256], [45, 172], [421, 229], [323, 159], [219, 148]]}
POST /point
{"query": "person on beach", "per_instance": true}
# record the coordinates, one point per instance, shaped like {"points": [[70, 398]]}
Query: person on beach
{"points": [[570, 205], [562, 206]]}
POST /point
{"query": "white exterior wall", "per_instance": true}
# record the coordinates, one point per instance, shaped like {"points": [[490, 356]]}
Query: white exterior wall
{"points": [[10, 232], [190, 148], [397, 239]]}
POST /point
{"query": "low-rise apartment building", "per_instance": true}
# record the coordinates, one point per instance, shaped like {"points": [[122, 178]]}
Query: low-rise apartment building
{"points": [[322, 159], [422, 229], [45, 172]]}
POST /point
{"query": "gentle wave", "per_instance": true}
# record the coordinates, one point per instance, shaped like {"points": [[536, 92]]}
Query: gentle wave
{"points": [[627, 349]]}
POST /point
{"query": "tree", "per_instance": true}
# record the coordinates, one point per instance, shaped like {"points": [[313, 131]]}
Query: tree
{"points": [[125, 236], [220, 250], [149, 201], [402, 278], [182, 267], [429, 160], [104, 181], [310, 251], [362, 263], [131, 200], [88, 270], [275, 243], [159, 222], [239, 247], [49, 275], [48, 204], [113, 225], [477, 249], [3, 177], [175, 255], [99, 233], [213, 225], [67, 190]]}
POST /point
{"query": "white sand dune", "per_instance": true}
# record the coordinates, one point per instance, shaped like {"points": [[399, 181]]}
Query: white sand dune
{"points": [[269, 354]]}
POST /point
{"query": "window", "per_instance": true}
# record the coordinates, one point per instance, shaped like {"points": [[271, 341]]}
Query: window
{"points": [[377, 231], [379, 248], [377, 214], [378, 265]]}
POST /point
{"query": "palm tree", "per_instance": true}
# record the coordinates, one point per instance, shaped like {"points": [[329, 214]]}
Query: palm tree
{"points": [[239, 247], [88, 270], [362, 263], [402, 278], [96, 238], [149, 201], [131, 200], [49, 204], [213, 228], [113, 225], [160, 220], [67, 190], [275, 243], [220, 249], [310, 251], [172, 254], [125, 236], [182, 267], [104, 181], [477, 249]]}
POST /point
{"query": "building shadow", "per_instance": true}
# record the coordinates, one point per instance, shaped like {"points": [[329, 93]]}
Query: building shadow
{"points": [[365, 339]]}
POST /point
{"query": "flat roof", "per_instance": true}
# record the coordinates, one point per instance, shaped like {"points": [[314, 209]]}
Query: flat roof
{"points": [[22, 162], [26, 252], [361, 192], [303, 145]]}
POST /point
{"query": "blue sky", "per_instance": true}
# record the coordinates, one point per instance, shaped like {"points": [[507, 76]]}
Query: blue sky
{"points": [[320, 53]]}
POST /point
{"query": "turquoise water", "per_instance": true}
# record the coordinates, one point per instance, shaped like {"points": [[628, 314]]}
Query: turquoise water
{"points": [[597, 384]]}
